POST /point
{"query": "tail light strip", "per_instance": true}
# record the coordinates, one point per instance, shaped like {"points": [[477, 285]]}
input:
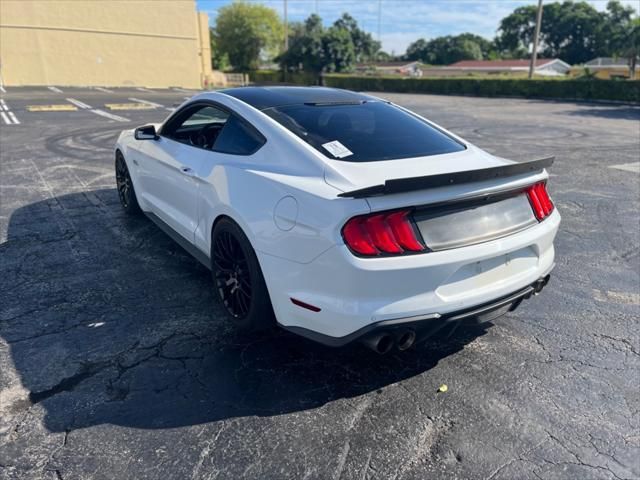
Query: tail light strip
{"points": [[390, 233], [394, 232], [540, 202]]}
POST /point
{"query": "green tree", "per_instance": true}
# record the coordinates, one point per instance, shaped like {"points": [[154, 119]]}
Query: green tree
{"points": [[621, 33], [516, 31], [486, 46], [449, 49], [617, 27], [313, 48], [306, 49], [382, 56], [573, 31], [364, 46], [339, 51], [246, 31], [631, 49], [417, 50], [219, 61]]}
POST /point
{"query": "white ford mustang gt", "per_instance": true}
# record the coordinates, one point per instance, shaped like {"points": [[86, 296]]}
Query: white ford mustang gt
{"points": [[339, 215]]}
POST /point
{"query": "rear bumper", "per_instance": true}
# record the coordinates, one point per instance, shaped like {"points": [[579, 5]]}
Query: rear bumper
{"points": [[355, 294], [429, 324]]}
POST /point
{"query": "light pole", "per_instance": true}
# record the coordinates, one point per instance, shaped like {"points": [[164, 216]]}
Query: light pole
{"points": [[286, 28], [534, 54], [379, 17]]}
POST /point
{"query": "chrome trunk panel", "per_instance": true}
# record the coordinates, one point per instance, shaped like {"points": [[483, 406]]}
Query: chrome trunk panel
{"points": [[459, 225]]}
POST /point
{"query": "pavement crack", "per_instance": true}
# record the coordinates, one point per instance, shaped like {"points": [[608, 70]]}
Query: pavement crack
{"points": [[500, 468], [629, 346], [342, 460]]}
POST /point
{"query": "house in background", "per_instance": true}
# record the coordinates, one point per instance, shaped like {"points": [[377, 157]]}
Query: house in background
{"points": [[544, 66], [411, 69], [607, 67]]}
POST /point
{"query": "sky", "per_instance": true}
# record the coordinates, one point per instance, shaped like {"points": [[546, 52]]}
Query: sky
{"points": [[404, 21]]}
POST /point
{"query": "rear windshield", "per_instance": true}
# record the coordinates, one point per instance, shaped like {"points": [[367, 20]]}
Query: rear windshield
{"points": [[364, 132]]}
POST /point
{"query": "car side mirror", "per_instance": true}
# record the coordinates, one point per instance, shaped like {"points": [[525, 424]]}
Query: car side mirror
{"points": [[148, 132]]}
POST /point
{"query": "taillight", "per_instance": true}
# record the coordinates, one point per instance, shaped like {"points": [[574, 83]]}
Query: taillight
{"points": [[390, 233], [539, 199]]}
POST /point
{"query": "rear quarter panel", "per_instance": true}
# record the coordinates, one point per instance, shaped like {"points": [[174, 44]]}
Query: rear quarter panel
{"points": [[242, 189]]}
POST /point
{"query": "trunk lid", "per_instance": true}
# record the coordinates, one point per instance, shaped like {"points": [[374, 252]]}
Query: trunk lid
{"points": [[349, 176]]}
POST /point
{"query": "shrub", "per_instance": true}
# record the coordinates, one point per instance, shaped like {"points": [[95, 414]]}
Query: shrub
{"points": [[267, 77], [627, 91]]}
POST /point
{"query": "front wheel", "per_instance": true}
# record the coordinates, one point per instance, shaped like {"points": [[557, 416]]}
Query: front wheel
{"points": [[238, 279], [126, 193]]}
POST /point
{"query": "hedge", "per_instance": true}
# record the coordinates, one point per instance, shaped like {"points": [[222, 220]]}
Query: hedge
{"points": [[617, 90], [267, 77]]}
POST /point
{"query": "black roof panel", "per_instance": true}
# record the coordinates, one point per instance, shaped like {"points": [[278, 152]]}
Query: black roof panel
{"points": [[267, 97]]}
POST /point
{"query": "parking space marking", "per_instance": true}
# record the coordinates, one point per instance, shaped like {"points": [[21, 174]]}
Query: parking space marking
{"points": [[2, 89], [633, 167], [97, 111], [129, 106], [55, 89], [178, 89], [52, 108], [105, 90], [78, 103], [142, 89], [9, 118], [7, 115], [111, 116], [154, 104]]}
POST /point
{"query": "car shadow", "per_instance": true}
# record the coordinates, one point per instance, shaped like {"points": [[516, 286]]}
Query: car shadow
{"points": [[109, 321]]}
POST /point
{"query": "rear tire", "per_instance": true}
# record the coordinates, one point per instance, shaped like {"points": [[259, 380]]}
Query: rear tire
{"points": [[124, 184], [238, 280]]}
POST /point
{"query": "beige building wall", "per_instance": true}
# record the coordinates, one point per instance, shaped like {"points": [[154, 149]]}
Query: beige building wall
{"points": [[148, 43]]}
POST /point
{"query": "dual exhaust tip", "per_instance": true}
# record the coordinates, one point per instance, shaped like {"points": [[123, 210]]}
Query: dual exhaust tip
{"points": [[383, 342], [540, 284]]}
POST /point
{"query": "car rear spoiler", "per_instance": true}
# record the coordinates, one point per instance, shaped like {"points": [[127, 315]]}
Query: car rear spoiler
{"points": [[401, 185]]}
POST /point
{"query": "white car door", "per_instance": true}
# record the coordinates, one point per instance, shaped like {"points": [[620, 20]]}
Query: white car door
{"points": [[168, 166]]}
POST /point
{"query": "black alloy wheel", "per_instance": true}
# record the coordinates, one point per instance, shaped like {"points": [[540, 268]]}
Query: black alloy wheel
{"points": [[232, 277], [124, 185], [238, 280]]}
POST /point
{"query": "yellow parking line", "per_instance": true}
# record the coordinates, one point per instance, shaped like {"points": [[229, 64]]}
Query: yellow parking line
{"points": [[51, 108], [129, 106]]}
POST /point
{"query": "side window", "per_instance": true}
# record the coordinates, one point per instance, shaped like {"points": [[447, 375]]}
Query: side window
{"points": [[206, 116], [238, 138], [199, 126]]}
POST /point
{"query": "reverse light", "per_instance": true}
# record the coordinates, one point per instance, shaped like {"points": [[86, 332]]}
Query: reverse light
{"points": [[539, 199], [389, 233]]}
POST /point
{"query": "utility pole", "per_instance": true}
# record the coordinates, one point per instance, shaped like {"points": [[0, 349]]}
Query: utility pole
{"points": [[534, 54], [286, 28], [379, 17]]}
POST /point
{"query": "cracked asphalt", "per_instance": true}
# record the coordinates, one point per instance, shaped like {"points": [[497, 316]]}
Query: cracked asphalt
{"points": [[115, 362]]}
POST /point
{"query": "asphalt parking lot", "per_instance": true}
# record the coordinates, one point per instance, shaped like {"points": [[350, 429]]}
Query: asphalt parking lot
{"points": [[114, 363]]}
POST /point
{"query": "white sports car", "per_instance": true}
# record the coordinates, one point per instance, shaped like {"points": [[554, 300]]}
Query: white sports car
{"points": [[345, 215]]}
